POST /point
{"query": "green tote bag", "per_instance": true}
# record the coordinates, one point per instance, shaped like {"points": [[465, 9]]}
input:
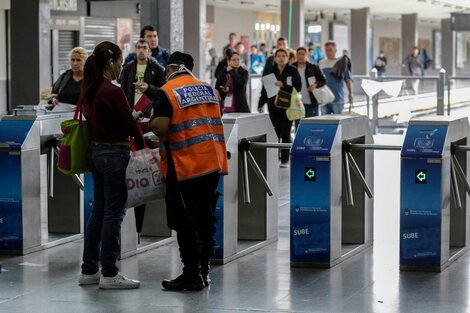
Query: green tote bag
{"points": [[74, 144]]}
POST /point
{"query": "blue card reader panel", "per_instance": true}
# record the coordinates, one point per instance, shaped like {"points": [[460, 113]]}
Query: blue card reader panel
{"points": [[314, 139], [424, 141], [14, 132]]}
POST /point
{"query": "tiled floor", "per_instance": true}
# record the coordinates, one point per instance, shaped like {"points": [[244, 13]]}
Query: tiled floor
{"points": [[260, 282]]}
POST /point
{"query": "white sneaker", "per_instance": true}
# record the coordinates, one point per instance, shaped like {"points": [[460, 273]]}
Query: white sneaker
{"points": [[284, 165], [118, 282], [85, 279]]}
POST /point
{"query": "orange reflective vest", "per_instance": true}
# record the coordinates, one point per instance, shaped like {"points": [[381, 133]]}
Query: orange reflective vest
{"points": [[196, 132]]}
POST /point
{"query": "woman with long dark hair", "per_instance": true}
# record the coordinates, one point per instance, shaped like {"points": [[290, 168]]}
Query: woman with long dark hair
{"points": [[231, 85], [111, 125]]}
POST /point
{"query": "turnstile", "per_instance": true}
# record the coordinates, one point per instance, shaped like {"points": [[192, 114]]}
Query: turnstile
{"points": [[331, 215], [246, 215], [29, 222], [434, 216]]}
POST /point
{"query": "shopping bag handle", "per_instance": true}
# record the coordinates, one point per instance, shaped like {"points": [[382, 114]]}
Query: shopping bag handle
{"points": [[133, 148], [78, 109]]}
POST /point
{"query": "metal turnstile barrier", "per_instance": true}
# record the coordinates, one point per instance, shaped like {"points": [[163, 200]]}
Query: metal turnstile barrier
{"points": [[327, 228], [434, 217], [35, 214], [247, 207], [332, 157]]}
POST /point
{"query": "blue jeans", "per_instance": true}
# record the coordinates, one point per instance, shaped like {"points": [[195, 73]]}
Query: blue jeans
{"points": [[108, 165], [332, 108]]}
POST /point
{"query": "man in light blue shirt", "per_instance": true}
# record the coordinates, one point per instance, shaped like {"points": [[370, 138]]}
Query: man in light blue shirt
{"points": [[336, 72]]}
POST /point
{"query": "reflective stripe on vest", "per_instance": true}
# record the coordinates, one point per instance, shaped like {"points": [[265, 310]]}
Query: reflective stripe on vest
{"points": [[195, 133], [175, 146], [194, 123]]}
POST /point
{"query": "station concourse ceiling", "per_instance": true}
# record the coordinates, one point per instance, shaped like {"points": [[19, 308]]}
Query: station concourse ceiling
{"points": [[426, 9]]}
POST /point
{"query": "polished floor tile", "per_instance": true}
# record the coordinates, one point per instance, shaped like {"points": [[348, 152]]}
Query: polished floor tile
{"points": [[262, 281]]}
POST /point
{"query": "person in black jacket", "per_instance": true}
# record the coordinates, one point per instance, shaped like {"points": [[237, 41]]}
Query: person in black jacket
{"points": [[142, 76], [231, 85], [287, 78], [312, 77], [280, 44], [67, 87]]}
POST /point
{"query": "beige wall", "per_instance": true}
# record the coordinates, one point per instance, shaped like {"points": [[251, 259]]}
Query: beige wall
{"points": [[241, 22], [4, 4]]}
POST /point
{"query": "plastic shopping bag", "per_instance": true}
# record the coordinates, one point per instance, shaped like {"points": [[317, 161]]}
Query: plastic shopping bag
{"points": [[296, 110], [144, 179]]}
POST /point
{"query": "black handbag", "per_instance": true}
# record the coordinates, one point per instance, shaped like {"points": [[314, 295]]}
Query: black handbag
{"points": [[282, 100]]}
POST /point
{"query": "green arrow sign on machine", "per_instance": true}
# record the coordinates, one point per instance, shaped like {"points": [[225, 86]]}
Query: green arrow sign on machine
{"points": [[421, 176]]}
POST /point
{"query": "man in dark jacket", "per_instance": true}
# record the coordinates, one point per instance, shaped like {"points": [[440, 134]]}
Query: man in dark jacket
{"points": [[159, 53], [141, 79], [142, 76]]}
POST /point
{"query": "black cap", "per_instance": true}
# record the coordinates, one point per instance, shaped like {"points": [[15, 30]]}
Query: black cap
{"points": [[182, 58]]}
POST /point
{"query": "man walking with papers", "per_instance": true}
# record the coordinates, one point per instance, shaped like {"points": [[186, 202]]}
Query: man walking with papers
{"points": [[277, 92]]}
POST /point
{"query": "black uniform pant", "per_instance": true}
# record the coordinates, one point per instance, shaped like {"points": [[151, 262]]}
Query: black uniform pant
{"points": [[282, 126], [190, 211]]}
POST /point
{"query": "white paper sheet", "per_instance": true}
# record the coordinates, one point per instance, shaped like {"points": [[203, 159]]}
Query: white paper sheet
{"points": [[269, 84], [289, 81], [64, 107], [312, 80]]}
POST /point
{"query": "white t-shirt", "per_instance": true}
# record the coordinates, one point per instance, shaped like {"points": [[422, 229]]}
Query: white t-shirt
{"points": [[139, 78], [304, 91]]}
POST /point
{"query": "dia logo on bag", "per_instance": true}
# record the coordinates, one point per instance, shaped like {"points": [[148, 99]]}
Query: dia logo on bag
{"points": [[138, 183]]}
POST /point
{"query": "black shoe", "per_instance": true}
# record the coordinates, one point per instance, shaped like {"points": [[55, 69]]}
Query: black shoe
{"points": [[184, 282]]}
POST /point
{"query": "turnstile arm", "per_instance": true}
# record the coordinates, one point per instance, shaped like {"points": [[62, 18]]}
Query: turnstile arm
{"points": [[274, 145], [347, 180], [259, 173], [359, 175], [50, 172], [461, 148], [362, 146], [460, 173], [245, 180], [454, 186]]}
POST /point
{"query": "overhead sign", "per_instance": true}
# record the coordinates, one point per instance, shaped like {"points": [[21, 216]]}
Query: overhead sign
{"points": [[63, 5], [460, 21]]}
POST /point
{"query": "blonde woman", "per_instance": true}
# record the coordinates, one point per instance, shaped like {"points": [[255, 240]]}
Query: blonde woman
{"points": [[68, 86]]}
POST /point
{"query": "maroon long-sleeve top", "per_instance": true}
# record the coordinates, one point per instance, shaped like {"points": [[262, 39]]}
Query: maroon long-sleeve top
{"points": [[109, 116]]}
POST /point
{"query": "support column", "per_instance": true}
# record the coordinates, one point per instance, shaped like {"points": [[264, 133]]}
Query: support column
{"points": [[194, 41], [447, 47], [148, 12], [30, 59], [167, 17], [409, 36], [360, 41], [295, 37]]}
